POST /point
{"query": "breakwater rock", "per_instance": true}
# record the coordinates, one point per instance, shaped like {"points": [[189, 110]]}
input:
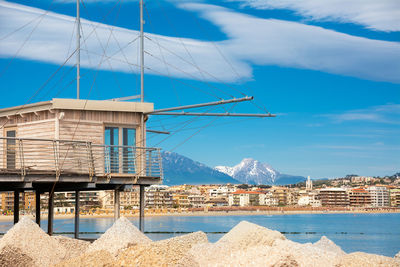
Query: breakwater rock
{"points": [[246, 244]]}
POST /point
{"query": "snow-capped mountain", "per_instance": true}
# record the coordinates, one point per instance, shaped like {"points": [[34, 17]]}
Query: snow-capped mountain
{"points": [[250, 171], [179, 169]]}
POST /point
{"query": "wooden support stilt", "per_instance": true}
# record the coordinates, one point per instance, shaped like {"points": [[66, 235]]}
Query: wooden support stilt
{"points": [[141, 208], [16, 206], [116, 204], [50, 216], [37, 204], [76, 233]]}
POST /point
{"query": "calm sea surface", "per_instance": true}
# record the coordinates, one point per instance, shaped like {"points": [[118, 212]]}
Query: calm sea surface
{"points": [[372, 233]]}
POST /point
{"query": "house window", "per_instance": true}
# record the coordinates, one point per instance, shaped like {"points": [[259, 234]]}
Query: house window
{"points": [[11, 153], [120, 149]]}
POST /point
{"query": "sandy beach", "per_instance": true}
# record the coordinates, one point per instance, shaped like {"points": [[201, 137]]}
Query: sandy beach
{"points": [[4, 218]]}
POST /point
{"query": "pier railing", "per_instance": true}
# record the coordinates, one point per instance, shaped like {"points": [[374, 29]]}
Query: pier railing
{"points": [[46, 156]]}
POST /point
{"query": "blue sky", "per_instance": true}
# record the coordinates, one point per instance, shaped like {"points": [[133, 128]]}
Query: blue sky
{"points": [[331, 72]]}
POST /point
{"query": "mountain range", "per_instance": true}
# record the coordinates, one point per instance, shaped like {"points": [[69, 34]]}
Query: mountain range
{"points": [[179, 169], [250, 171]]}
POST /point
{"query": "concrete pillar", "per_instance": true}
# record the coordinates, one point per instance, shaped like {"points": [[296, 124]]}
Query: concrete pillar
{"points": [[116, 204], [37, 204], [77, 208], [50, 214], [16, 206], [141, 208]]}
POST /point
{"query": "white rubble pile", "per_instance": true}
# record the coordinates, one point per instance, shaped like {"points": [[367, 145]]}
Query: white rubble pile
{"points": [[233, 247], [121, 235], [357, 259], [328, 245], [246, 234], [169, 252], [99, 258], [397, 256], [73, 247], [27, 238]]}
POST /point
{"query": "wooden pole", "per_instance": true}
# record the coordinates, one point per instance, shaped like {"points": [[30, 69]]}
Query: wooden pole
{"points": [[116, 204], [16, 206], [50, 214], [37, 204], [77, 208], [141, 208]]}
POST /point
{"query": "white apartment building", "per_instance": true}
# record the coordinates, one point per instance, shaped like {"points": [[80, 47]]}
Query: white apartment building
{"points": [[379, 196], [268, 199], [221, 192]]}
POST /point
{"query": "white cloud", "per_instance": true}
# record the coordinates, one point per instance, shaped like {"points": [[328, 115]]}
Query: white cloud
{"points": [[291, 44], [387, 114], [251, 41], [51, 38], [381, 15]]}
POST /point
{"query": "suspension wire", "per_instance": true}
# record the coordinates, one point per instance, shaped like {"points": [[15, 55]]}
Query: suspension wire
{"points": [[185, 83], [58, 81], [101, 45], [20, 48], [165, 65], [185, 72], [262, 107], [203, 71], [183, 44], [31, 21], [202, 128], [191, 57], [188, 122], [40, 88]]}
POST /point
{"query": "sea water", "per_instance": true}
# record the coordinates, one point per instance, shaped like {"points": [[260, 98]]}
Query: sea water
{"points": [[371, 233]]}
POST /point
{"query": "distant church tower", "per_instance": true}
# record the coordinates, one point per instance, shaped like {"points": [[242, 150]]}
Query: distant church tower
{"points": [[308, 183]]}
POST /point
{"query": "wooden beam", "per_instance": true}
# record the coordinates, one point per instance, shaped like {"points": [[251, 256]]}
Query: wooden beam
{"points": [[50, 216], [141, 208], [77, 209], [37, 204], [16, 206], [116, 204]]}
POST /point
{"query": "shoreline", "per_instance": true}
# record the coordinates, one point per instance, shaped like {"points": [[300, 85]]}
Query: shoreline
{"points": [[5, 218]]}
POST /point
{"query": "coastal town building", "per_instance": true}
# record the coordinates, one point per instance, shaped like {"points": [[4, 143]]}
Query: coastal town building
{"points": [[379, 196], [244, 198], [221, 191], [282, 194], [180, 200], [359, 197], [158, 196], [268, 199], [196, 201], [216, 202], [394, 197], [333, 197], [309, 184]]}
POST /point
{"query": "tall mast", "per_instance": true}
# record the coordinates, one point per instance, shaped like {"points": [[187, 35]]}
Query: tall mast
{"points": [[78, 50], [141, 54]]}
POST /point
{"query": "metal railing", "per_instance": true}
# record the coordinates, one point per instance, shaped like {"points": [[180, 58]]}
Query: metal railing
{"points": [[28, 155]]}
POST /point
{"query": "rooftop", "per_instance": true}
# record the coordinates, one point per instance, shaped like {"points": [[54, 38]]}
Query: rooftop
{"points": [[79, 104]]}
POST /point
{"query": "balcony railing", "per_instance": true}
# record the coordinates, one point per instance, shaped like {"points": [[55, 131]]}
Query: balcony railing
{"points": [[43, 156]]}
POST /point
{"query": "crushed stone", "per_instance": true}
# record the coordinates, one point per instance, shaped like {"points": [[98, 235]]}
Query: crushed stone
{"points": [[328, 245], [169, 252], [100, 258], [246, 234], [357, 259], [13, 257], [120, 235], [73, 247], [397, 256], [27, 237]]}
